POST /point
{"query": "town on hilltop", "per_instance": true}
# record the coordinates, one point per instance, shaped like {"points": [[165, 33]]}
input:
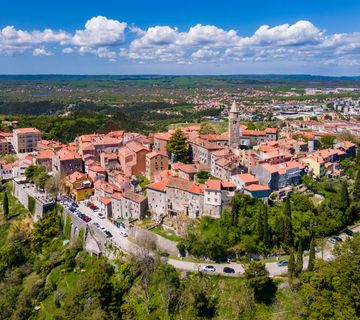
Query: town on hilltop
{"points": [[178, 175]]}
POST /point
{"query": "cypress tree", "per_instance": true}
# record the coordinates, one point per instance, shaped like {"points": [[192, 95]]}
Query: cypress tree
{"points": [[291, 265], [6, 205], [266, 236], [356, 188], [299, 260], [235, 207], [260, 225], [311, 263], [288, 232], [344, 196]]}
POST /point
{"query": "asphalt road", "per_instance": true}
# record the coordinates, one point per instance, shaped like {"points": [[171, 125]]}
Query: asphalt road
{"points": [[130, 247]]}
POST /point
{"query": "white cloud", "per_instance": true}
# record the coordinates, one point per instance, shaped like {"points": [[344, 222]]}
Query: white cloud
{"points": [[67, 50], [100, 31], [38, 52], [205, 53], [301, 42]]}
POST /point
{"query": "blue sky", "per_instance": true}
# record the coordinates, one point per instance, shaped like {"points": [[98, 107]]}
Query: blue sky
{"points": [[180, 37]]}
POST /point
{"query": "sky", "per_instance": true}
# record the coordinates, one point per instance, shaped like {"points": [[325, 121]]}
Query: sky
{"points": [[180, 37]]}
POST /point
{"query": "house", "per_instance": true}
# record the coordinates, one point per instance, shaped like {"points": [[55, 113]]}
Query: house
{"points": [[270, 175], [104, 189], [216, 195], [257, 191], [315, 164], [133, 205], [201, 150], [132, 159], [4, 146], [116, 205], [155, 163], [109, 161], [160, 141], [26, 139], [184, 197], [67, 161], [105, 205], [44, 158], [224, 168], [348, 147], [79, 186], [156, 194], [7, 171], [96, 172], [243, 180], [45, 145]]}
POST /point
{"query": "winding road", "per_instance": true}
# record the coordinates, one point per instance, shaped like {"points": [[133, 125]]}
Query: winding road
{"points": [[130, 247]]}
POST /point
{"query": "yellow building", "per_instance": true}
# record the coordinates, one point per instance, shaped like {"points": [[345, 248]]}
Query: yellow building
{"points": [[79, 186], [316, 165]]}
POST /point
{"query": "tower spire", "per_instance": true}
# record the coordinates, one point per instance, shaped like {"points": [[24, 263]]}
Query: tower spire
{"points": [[234, 107]]}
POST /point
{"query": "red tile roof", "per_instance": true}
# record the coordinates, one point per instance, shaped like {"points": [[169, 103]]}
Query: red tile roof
{"points": [[26, 130], [256, 187], [105, 200]]}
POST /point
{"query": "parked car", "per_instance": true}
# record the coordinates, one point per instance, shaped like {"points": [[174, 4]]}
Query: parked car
{"points": [[96, 224], [108, 234], [335, 239], [87, 219], [123, 233], [349, 232], [209, 268], [228, 270], [282, 263], [74, 204], [101, 216]]}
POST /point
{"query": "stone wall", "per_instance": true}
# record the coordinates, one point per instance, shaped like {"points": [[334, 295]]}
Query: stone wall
{"points": [[162, 244]]}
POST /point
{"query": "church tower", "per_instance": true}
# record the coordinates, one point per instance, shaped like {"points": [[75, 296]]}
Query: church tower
{"points": [[234, 126]]}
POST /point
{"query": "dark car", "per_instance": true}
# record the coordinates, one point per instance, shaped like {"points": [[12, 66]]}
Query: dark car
{"points": [[338, 239], [349, 232], [228, 270], [282, 263], [74, 204], [108, 234]]}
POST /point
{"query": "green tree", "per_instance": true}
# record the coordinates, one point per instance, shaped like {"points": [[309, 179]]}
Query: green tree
{"points": [[344, 196], [311, 263], [266, 235], [6, 205], [356, 187], [299, 260], [260, 224], [235, 207], [326, 142], [291, 264], [207, 128], [178, 146], [288, 230], [258, 278], [54, 185], [30, 172], [41, 179]]}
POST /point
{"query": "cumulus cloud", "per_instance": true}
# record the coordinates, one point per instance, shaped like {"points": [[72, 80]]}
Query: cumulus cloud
{"points": [[100, 31], [67, 50], [38, 52], [105, 38]]}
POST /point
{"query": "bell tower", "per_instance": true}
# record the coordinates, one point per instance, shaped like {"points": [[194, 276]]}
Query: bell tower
{"points": [[234, 126]]}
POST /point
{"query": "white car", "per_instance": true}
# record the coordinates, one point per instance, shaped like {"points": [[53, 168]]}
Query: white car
{"points": [[123, 233], [101, 216], [209, 268]]}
